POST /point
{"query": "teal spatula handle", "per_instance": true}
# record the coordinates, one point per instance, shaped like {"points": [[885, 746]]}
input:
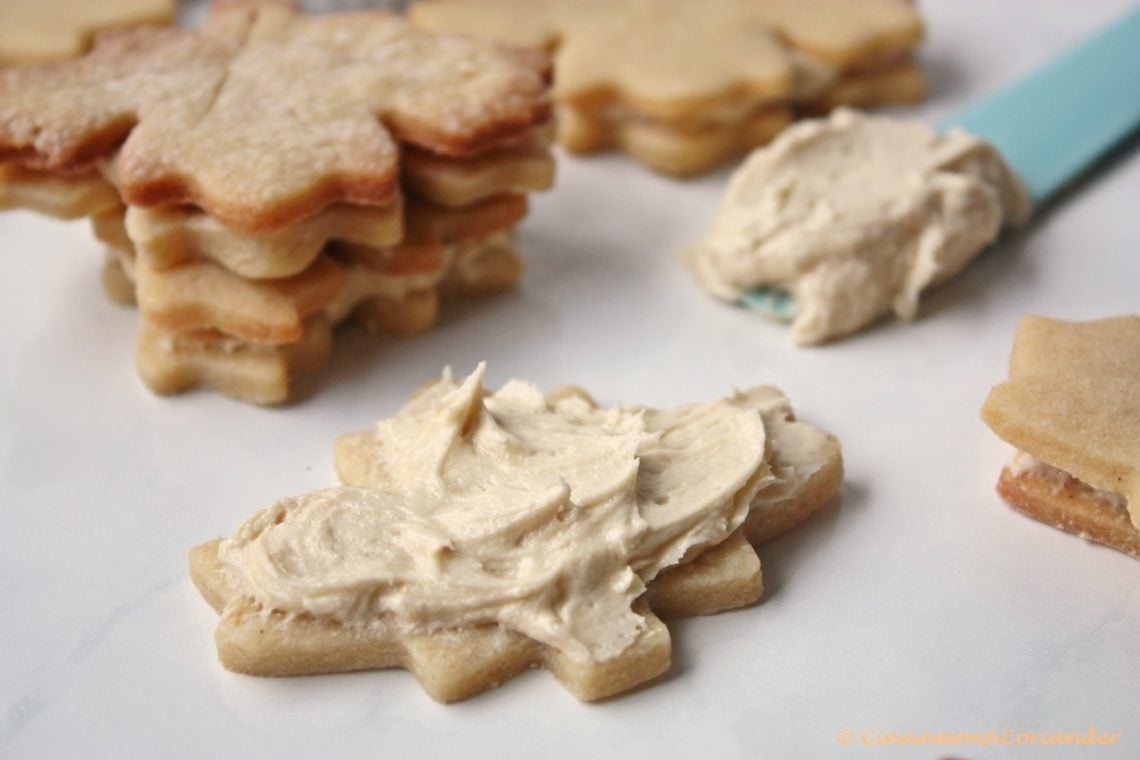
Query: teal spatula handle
{"points": [[1056, 122]]}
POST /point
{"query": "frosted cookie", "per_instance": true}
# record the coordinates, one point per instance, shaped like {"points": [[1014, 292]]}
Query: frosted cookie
{"points": [[1071, 409], [41, 30], [480, 534], [682, 85], [853, 217]]}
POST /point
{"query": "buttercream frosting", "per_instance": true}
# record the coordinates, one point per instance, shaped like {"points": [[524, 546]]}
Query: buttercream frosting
{"points": [[855, 216], [1021, 463], [544, 514]]}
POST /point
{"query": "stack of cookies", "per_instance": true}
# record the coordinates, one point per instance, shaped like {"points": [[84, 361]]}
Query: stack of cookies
{"points": [[265, 178], [684, 85]]}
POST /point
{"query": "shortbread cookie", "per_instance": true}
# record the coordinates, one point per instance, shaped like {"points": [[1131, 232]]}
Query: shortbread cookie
{"points": [[686, 146], [369, 284], [260, 373], [518, 167], [854, 217], [395, 291], [429, 222], [1071, 407], [634, 73], [257, 373], [204, 295], [482, 534], [118, 273], [266, 117], [169, 237], [379, 283], [482, 267], [41, 30], [177, 236], [408, 314], [806, 475], [900, 82], [110, 229], [63, 196], [117, 284], [678, 151]]}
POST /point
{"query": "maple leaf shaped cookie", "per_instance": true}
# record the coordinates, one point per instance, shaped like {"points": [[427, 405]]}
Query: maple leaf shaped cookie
{"points": [[484, 533], [682, 84], [267, 116]]}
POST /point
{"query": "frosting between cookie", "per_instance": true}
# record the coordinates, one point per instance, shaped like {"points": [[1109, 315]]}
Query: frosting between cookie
{"points": [[1022, 462], [544, 514], [855, 216]]}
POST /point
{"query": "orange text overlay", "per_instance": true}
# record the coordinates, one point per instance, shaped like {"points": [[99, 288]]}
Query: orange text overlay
{"points": [[1007, 737]]}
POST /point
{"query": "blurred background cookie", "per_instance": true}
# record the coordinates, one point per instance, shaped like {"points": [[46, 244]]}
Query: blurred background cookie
{"points": [[42, 30], [683, 86]]}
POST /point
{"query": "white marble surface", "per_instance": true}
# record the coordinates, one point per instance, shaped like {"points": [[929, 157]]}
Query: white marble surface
{"points": [[921, 603]]}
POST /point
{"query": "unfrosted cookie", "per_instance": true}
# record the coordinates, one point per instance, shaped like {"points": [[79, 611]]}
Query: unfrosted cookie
{"points": [[41, 30], [70, 196], [202, 327], [180, 291], [684, 85]]}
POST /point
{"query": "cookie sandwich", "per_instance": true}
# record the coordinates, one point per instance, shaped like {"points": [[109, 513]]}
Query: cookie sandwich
{"points": [[1071, 410]]}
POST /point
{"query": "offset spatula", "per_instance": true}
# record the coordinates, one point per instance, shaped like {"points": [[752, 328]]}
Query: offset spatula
{"points": [[1050, 126]]}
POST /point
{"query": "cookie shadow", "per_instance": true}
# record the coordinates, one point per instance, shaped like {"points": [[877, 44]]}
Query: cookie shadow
{"points": [[945, 77], [467, 330], [986, 281], [1007, 264], [782, 557], [780, 560]]}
